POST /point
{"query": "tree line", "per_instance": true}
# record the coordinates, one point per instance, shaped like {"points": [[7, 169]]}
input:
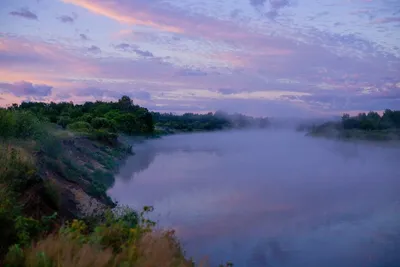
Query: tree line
{"points": [[104, 120], [390, 119]]}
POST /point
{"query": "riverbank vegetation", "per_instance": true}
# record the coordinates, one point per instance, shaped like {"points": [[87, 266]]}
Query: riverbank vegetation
{"points": [[57, 161], [366, 126], [190, 122]]}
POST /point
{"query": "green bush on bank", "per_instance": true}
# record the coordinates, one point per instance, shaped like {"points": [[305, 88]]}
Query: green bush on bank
{"points": [[116, 238]]}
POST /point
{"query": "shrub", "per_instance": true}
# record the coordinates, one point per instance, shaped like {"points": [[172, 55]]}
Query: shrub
{"points": [[105, 137], [17, 170], [64, 121], [26, 229], [49, 145], [87, 118], [26, 125], [102, 123], [105, 178], [120, 239], [80, 126], [19, 124], [8, 211], [15, 256], [7, 124]]}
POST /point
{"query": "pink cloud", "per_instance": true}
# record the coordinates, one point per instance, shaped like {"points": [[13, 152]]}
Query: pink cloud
{"points": [[386, 20], [116, 12]]}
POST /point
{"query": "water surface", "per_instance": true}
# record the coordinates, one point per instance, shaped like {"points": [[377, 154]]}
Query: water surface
{"points": [[271, 198]]}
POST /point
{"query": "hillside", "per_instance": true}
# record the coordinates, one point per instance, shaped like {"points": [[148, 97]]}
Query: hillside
{"points": [[57, 161]]}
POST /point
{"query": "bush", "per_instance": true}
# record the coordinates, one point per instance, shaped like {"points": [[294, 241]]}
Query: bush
{"points": [[80, 126], [105, 137], [64, 121], [15, 256], [49, 145], [17, 170], [102, 123], [105, 178], [19, 124], [7, 124], [26, 125], [121, 238], [8, 211]]}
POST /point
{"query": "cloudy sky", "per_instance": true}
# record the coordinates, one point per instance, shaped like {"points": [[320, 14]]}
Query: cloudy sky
{"points": [[260, 57]]}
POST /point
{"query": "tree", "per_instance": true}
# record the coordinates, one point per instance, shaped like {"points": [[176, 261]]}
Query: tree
{"points": [[125, 103]]}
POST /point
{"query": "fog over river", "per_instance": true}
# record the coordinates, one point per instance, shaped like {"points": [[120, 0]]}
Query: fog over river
{"points": [[271, 198]]}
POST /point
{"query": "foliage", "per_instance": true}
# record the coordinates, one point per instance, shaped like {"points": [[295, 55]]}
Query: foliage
{"points": [[369, 125], [105, 137], [372, 120], [103, 123], [108, 117], [189, 122], [17, 175], [21, 124], [80, 126], [122, 238], [17, 170]]}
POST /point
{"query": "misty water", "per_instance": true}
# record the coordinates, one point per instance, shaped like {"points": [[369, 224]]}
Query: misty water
{"points": [[271, 198]]}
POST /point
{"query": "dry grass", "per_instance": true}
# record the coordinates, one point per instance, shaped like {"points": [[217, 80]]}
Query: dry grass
{"points": [[155, 249], [58, 251], [8, 154]]}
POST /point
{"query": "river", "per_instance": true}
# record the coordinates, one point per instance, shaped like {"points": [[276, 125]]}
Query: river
{"points": [[271, 197]]}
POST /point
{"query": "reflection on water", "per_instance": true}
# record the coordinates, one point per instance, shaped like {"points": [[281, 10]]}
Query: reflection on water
{"points": [[271, 198]]}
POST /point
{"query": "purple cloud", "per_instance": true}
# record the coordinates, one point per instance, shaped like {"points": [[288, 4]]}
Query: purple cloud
{"points": [[191, 72], [274, 6], [133, 49], [100, 93], [257, 3], [126, 47], [142, 95], [24, 88], [24, 13], [322, 61], [387, 20], [144, 53], [97, 92], [66, 19], [94, 49], [227, 91], [277, 4], [84, 37]]}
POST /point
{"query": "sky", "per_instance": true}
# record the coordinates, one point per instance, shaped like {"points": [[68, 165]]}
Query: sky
{"points": [[258, 57]]}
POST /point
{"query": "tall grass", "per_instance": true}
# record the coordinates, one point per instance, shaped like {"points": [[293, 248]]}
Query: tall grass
{"points": [[119, 239]]}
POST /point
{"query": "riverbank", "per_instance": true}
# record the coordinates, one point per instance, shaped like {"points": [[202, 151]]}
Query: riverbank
{"points": [[58, 214], [54, 210]]}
